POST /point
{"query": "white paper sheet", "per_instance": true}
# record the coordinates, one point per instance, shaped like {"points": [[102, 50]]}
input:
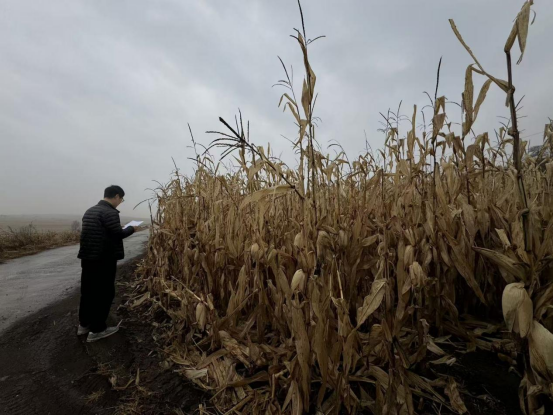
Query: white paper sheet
{"points": [[133, 223]]}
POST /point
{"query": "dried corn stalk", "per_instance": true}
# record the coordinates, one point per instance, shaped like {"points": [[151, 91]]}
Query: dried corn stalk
{"points": [[317, 289]]}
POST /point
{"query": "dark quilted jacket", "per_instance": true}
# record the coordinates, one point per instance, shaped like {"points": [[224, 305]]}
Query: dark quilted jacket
{"points": [[101, 234]]}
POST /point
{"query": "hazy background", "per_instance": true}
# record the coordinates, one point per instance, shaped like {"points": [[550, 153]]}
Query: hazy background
{"points": [[100, 92]]}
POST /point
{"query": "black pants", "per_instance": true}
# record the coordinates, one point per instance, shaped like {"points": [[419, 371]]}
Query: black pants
{"points": [[97, 293]]}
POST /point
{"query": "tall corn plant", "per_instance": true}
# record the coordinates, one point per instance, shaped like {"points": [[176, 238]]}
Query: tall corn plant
{"points": [[524, 260], [330, 287]]}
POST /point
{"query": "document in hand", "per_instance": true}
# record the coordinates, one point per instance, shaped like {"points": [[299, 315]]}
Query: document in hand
{"points": [[133, 223]]}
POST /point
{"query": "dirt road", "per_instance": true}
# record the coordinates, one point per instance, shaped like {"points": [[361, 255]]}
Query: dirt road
{"points": [[46, 369], [31, 283]]}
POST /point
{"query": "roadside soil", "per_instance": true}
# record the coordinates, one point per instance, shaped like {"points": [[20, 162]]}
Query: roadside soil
{"points": [[46, 369]]}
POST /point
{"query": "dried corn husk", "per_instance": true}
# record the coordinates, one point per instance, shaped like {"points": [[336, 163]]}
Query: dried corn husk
{"points": [[517, 308]]}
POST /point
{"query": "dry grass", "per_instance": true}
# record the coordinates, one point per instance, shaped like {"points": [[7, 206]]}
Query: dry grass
{"points": [[27, 240], [330, 286], [94, 397]]}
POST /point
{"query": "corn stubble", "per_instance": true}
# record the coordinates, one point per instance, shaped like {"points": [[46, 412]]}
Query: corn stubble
{"points": [[333, 287]]}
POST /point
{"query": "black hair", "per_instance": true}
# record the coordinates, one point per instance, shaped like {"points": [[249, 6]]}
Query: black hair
{"points": [[112, 191]]}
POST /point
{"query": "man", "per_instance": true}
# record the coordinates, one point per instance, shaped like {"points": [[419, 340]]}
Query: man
{"points": [[101, 246]]}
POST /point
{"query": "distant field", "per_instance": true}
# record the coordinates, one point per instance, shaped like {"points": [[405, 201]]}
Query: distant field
{"points": [[56, 223], [22, 235]]}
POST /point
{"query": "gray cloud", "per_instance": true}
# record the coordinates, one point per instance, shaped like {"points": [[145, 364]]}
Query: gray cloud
{"points": [[100, 92]]}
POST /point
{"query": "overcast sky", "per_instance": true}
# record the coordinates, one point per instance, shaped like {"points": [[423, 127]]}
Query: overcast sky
{"points": [[100, 91]]}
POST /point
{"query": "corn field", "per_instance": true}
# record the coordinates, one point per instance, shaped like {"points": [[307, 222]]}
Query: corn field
{"points": [[337, 286]]}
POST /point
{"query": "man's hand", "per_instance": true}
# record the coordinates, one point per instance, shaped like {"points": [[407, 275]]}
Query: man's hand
{"points": [[136, 228]]}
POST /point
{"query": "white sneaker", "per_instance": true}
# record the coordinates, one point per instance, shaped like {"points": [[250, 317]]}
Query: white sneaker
{"points": [[82, 330], [92, 337]]}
